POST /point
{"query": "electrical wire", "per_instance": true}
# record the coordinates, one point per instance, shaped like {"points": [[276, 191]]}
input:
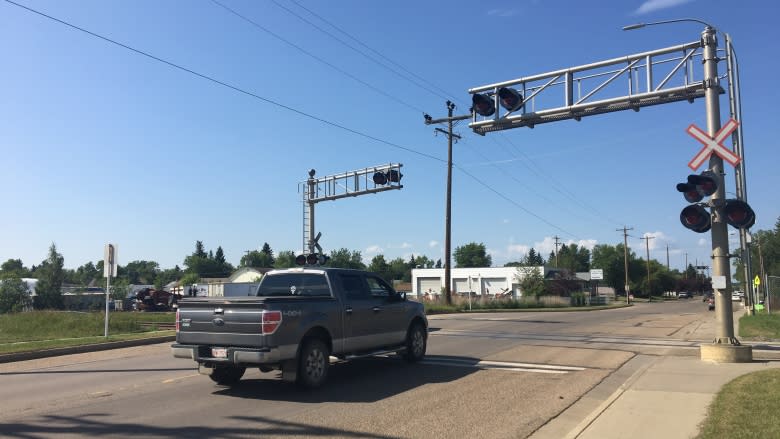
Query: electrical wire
{"points": [[286, 107], [444, 94], [399, 74], [232, 87], [554, 184], [323, 61]]}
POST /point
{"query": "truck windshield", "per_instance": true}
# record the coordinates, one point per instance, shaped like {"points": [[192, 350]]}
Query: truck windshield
{"points": [[294, 284]]}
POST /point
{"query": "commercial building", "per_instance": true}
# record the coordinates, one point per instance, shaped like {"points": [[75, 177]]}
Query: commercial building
{"points": [[489, 281]]}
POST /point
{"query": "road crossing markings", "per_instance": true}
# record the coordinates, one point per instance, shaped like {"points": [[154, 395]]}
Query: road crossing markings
{"points": [[502, 365]]}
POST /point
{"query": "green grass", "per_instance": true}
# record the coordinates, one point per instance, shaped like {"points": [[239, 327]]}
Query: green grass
{"points": [[761, 326], [9, 348], [745, 408], [47, 329]]}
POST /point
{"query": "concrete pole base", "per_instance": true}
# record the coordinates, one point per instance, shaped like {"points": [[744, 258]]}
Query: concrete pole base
{"points": [[726, 353]]}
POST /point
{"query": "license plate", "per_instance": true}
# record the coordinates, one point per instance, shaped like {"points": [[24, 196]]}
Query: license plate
{"points": [[219, 352]]}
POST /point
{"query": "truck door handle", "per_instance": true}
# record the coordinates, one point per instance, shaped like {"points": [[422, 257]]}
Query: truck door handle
{"points": [[348, 310], [376, 309]]}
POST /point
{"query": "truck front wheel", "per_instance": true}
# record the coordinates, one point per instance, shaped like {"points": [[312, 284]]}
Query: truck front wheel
{"points": [[227, 375], [313, 363], [415, 343]]}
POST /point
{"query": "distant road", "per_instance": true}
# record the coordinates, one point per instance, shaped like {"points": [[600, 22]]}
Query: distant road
{"points": [[493, 375]]}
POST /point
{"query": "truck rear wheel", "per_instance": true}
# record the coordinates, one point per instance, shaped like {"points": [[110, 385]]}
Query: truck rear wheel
{"points": [[227, 375], [415, 343], [313, 363]]}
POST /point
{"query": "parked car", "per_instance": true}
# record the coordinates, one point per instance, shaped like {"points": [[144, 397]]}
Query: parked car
{"points": [[735, 297], [683, 295], [711, 304]]}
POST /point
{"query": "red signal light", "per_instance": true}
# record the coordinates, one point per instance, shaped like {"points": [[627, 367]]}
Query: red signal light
{"points": [[696, 218], [739, 214]]}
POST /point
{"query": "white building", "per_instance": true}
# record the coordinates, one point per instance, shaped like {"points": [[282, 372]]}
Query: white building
{"points": [[484, 280]]}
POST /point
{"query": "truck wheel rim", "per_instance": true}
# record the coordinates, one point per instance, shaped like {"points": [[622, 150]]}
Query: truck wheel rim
{"points": [[314, 364], [417, 342]]}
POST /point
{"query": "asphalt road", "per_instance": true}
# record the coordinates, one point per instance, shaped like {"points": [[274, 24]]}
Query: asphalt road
{"points": [[497, 375]]}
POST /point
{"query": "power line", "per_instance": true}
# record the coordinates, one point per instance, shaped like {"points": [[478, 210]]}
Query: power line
{"points": [[554, 184], [323, 61], [357, 40], [354, 48], [286, 107], [519, 206], [225, 84]]}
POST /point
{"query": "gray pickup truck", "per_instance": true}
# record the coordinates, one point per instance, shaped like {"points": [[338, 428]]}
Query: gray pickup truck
{"points": [[295, 322]]}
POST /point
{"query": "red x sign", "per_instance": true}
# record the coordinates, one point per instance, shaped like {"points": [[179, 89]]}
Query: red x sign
{"points": [[713, 144]]}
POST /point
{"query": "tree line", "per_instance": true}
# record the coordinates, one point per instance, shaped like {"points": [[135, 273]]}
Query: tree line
{"points": [[200, 264]]}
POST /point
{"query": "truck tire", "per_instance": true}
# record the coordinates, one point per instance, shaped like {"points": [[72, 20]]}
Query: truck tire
{"points": [[227, 375], [416, 342], [313, 363]]}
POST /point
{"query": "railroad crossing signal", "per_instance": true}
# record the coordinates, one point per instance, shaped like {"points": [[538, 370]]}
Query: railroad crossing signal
{"points": [[737, 213], [713, 144]]}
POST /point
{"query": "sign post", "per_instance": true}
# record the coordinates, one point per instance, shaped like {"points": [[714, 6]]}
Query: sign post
{"points": [[109, 271]]}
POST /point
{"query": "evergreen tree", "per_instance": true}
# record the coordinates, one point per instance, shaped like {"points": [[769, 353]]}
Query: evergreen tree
{"points": [[50, 276], [199, 251], [266, 250]]}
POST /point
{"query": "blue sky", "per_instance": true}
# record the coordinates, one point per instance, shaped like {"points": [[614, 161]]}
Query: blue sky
{"points": [[101, 144]]}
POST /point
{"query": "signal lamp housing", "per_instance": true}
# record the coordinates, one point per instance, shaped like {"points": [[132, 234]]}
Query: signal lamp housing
{"points": [[483, 104], [510, 98], [696, 218], [739, 214]]}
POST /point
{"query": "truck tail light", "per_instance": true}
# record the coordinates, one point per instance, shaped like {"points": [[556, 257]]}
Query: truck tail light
{"points": [[271, 321], [177, 320]]}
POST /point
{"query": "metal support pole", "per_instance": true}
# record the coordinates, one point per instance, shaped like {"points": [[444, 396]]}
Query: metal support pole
{"points": [[108, 294], [720, 240], [625, 260], [310, 206], [735, 107], [647, 246]]}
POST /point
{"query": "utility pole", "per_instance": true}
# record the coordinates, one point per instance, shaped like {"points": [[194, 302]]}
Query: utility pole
{"points": [[686, 265], [667, 257], [647, 246], [556, 251], [625, 260], [448, 209]]}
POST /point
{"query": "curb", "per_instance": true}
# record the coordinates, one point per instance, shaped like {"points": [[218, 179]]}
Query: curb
{"points": [[32, 355]]}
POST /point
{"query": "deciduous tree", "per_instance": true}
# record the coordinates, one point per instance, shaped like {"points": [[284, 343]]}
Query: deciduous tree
{"points": [[472, 255], [14, 295]]}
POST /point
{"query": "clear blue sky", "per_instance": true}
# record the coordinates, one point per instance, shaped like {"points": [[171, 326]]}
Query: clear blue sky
{"points": [[101, 144]]}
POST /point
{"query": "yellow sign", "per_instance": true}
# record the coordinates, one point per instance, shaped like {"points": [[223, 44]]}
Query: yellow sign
{"points": [[756, 281]]}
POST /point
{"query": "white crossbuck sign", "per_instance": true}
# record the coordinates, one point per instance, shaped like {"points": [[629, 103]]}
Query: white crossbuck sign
{"points": [[713, 144]]}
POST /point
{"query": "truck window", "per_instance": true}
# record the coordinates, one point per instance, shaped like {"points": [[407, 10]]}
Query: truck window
{"points": [[353, 286], [294, 284], [378, 287]]}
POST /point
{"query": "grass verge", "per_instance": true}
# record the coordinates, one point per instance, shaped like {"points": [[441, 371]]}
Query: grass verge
{"points": [[26, 331], [760, 326], [745, 408]]}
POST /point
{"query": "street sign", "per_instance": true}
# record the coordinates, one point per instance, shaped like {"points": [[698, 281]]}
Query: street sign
{"points": [[757, 281], [110, 264], [597, 274], [713, 144]]}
